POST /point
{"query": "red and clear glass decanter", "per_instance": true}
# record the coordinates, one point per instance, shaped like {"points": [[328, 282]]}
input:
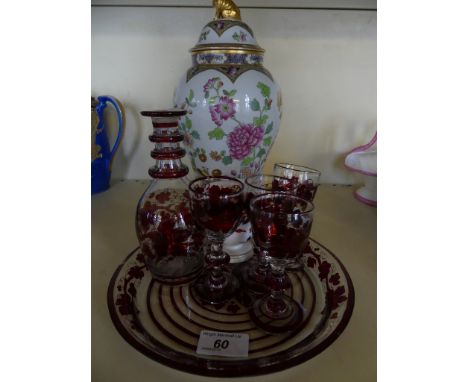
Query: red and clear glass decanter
{"points": [[164, 224]]}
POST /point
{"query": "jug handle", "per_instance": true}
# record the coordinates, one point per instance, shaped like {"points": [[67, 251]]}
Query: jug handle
{"points": [[115, 103]]}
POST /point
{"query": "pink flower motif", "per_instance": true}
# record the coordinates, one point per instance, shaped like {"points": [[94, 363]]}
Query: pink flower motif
{"points": [[242, 139], [226, 108], [209, 84], [215, 116]]}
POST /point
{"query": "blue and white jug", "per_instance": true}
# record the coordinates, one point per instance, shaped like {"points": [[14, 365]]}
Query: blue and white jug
{"points": [[101, 154]]}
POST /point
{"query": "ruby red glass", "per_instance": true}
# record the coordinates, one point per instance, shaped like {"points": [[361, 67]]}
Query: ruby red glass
{"points": [[306, 178], [217, 204], [170, 244], [255, 273], [281, 225], [262, 183]]}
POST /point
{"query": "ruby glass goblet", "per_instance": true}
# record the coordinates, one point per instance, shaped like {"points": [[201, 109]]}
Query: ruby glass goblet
{"points": [[255, 273], [281, 225], [217, 206], [307, 179]]}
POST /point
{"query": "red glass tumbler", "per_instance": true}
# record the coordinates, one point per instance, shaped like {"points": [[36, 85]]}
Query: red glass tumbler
{"points": [[306, 178]]}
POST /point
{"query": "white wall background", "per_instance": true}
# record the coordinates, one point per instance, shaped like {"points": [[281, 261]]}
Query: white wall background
{"points": [[325, 62]]}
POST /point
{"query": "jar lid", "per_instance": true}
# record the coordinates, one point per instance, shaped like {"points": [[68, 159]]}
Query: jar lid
{"points": [[228, 34]]}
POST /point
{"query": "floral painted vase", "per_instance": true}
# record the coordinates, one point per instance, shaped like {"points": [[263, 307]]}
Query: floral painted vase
{"points": [[233, 102]]}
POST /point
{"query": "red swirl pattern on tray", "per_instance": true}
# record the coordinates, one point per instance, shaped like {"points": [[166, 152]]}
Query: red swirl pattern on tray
{"points": [[164, 322]]}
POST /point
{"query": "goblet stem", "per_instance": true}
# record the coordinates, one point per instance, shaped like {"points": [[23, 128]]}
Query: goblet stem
{"points": [[255, 274], [262, 266], [277, 312], [216, 260], [275, 303], [259, 274], [217, 284]]}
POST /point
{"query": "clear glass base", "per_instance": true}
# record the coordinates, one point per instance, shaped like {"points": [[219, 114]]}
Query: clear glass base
{"points": [[283, 317], [175, 270], [210, 293]]}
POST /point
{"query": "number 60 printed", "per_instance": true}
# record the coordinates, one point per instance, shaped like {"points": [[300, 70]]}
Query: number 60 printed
{"points": [[223, 344]]}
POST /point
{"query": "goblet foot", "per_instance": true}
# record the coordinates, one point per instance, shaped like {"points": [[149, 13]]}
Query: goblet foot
{"points": [[210, 293], [276, 316], [175, 270]]}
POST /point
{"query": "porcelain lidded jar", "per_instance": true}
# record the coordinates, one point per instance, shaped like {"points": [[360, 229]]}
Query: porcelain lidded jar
{"points": [[233, 102]]}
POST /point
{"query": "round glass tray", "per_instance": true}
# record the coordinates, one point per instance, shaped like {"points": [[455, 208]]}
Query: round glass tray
{"points": [[164, 322]]}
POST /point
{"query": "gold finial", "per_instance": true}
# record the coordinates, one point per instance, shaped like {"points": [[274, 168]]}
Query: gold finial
{"points": [[226, 9]]}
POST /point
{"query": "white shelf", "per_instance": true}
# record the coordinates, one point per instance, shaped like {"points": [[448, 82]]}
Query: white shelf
{"points": [[280, 4]]}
